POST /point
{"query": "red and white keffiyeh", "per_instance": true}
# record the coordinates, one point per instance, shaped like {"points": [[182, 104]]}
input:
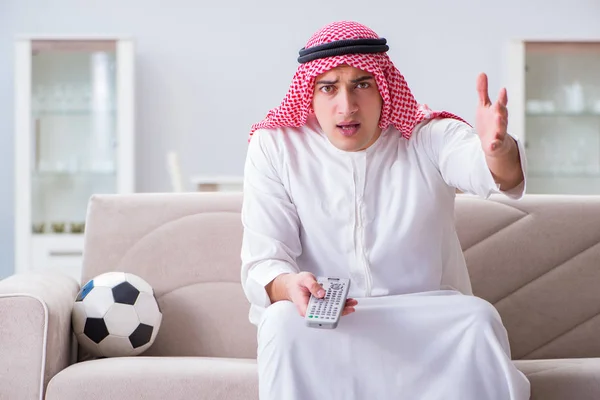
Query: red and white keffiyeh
{"points": [[399, 106]]}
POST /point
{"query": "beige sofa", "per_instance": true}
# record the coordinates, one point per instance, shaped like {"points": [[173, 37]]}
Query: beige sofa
{"points": [[537, 261]]}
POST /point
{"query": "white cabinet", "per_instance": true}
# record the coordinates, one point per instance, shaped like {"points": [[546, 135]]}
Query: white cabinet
{"points": [[554, 106], [74, 137]]}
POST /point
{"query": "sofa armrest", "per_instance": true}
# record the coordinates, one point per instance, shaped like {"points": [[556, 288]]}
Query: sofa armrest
{"points": [[35, 332]]}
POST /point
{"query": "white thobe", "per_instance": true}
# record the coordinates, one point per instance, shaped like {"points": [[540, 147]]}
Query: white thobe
{"points": [[384, 218]]}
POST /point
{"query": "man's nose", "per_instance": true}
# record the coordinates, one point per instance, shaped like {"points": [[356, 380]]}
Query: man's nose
{"points": [[347, 104]]}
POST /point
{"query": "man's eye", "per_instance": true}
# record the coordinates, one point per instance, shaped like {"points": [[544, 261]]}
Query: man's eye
{"points": [[363, 85], [326, 89]]}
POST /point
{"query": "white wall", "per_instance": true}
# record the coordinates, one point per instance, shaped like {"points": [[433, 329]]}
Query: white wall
{"points": [[205, 73]]}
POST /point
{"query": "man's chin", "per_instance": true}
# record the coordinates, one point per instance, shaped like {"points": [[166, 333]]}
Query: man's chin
{"points": [[347, 144]]}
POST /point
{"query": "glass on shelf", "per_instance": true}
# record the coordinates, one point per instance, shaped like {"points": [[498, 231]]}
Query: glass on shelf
{"points": [[563, 78], [75, 228], [67, 99], [563, 146], [74, 130]]}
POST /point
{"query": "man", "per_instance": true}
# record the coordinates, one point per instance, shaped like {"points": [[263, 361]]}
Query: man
{"points": [[351, 178]]}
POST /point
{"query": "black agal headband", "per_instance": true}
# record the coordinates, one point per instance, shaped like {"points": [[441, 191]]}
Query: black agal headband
{"points": [[341, 47]]}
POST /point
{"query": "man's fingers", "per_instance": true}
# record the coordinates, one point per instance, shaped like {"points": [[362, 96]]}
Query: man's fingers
{"points": [[315, 288], [496, 144], [348, 310], [301, 309], [310, 282], [351, 302], [482, 90], [503, 97], [349, 307], [501, 110]]}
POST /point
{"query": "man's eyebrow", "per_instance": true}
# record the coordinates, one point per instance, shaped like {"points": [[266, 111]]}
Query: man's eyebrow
{"points": [[362, 79], [357, 80], [322, 82]]}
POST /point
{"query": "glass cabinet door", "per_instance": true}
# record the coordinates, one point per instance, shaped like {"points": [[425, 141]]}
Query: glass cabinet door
{"points": [[73, 128], [74, 138], [562, 117]]}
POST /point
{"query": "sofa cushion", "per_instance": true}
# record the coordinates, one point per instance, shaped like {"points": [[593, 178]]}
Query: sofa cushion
{"points": [[157, 378], [561, 379], [227, 378]]}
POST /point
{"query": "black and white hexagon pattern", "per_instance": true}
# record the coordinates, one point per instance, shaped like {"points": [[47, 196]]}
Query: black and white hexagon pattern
{"points": [[116, 315]]}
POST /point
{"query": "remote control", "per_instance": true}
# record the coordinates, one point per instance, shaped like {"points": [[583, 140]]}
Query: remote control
{"points": [[326, 312]]}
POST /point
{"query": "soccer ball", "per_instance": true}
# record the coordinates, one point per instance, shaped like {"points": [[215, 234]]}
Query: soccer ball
{"points": [[116, 315]]}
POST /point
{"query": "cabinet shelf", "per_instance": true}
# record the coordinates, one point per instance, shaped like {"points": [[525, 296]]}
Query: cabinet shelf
{"points": [[73, 113], [82, 173]]}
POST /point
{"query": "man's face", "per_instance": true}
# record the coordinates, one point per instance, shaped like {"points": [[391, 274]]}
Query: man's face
{"points": [[348, 105]]}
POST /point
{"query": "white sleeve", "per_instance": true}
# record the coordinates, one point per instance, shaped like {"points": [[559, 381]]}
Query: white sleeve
{"points": [[456, 149], [271, 238]]}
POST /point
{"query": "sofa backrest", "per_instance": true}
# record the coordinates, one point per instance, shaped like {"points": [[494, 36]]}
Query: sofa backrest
{"points": [[187, 247], [537, 260]]}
